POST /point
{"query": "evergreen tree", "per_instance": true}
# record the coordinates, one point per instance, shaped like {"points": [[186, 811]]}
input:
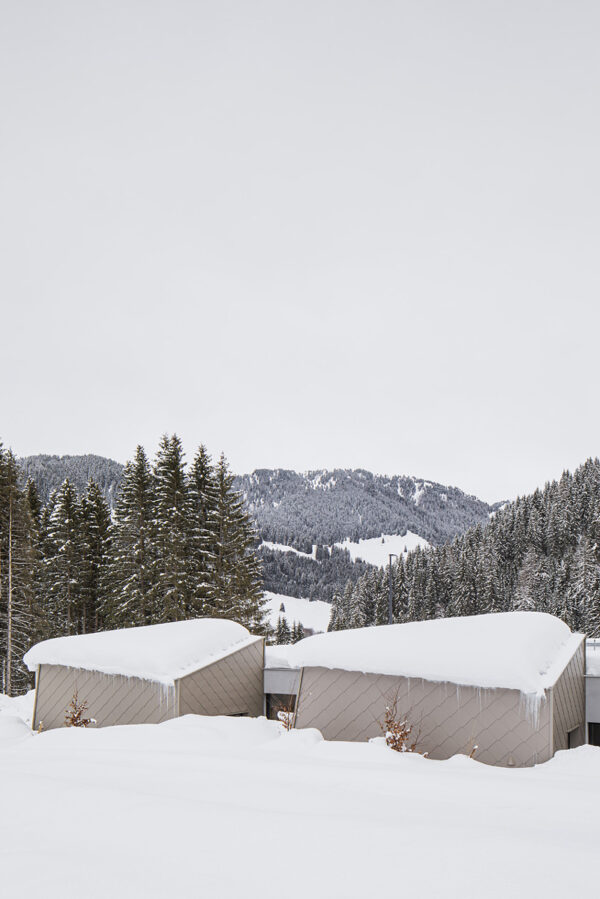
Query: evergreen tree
{"points": [[203, 533], [173, 589], [297, 632], [130, 571], [65, 574], [237, 572], [95, 525], [282, 632]]}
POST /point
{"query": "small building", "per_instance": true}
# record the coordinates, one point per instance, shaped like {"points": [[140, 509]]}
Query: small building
{"points": [[145, 675], [507, 688]]}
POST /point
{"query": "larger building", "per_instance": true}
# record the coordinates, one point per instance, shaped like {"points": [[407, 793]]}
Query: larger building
{"points": [[505, 688]]}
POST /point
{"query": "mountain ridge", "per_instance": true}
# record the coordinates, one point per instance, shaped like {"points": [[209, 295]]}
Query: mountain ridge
{"points": [[303, 510]]}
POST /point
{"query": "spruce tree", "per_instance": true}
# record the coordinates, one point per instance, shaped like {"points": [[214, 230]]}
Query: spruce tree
{"points": [[203, 533], [65, 574], [130, 572], [173, 526], [282, 632], [95, 524], [237, 572]]}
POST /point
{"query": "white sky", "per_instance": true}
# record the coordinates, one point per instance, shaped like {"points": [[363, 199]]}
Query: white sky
{"points": [[310, 234]]}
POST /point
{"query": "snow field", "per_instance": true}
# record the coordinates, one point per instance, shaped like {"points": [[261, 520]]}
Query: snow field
{"points": [[228, 808], [374, 550], [314, 615]]}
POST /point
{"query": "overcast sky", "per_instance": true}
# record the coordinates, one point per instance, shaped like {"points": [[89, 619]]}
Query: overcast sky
{"points": [[309, 234]]}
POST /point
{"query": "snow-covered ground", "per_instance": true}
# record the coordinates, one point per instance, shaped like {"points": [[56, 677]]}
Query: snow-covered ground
{"points": [[314, 615], [230, 808], [376, 550]]}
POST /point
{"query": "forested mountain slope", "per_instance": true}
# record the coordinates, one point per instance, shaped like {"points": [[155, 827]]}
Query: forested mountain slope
{"points": [[326, 507], [301, 511], [540, 552], [49, 472]]}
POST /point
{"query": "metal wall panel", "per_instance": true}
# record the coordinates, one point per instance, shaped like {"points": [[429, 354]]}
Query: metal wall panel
{"points": [[568, 705], [281, 680], [111, 699], [231, 686], [592, 699], [447, 719]]}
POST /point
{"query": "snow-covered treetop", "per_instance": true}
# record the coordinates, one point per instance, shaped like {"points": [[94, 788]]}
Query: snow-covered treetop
{"points": [[159, 652], [523, 651]]}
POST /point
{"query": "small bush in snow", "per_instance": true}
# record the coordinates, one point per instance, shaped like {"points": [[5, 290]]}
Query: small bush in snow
{"points": [[75, 714], [397, 731]]}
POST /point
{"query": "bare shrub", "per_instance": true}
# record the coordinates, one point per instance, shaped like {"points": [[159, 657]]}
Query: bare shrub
{"points": [[285, 714], [397, 731], [75, 714]]}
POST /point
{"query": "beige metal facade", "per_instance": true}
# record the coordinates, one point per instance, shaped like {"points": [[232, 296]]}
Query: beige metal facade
{"points": [[111, 699], [230, 686], [447, 719], [568, 704]]}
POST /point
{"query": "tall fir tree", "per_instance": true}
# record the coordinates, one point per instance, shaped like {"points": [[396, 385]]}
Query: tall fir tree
{"points": [[95, 525], [173, 533], [65, 575], [130, 570], [203, 533], [237, 572]]}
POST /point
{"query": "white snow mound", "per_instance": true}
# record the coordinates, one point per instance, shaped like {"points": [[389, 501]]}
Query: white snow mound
{"points": [[524, 651], [158, 652]]}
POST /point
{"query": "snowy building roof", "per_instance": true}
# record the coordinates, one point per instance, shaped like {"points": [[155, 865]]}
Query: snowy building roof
{"points": [[159, 652], [524, 651]]}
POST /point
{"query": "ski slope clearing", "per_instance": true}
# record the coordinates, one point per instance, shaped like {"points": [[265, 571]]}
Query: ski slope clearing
{"points": [[220, 807], [376, 550], [314, 615]]}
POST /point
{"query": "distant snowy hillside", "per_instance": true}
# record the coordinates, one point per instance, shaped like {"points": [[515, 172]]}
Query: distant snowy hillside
{"points": [[376, 550], [373, 551], [311, 615], [322, 529], [327, 507]]}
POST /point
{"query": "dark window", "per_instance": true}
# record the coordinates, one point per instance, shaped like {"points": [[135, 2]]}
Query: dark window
{"points": [[594, 734]]}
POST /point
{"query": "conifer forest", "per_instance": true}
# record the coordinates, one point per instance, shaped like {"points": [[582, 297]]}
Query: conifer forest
{"points": [[540, 552], [179, 544]]}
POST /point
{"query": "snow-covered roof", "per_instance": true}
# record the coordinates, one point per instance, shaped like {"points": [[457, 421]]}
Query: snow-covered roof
{"points": [[158, 652], [524, 651]]}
